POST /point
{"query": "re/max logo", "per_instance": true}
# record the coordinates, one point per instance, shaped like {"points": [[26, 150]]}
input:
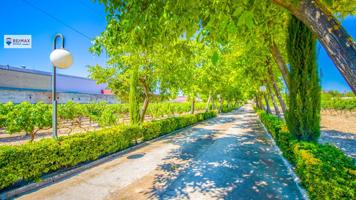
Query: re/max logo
{"points": [[17, 41], [21, 41]]}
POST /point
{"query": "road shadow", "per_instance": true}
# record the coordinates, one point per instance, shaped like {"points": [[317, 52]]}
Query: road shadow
{"points": [[346, 142], [136, 156]]}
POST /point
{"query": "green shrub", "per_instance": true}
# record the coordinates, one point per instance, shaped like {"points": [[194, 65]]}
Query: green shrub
{"points": [[272, 123], [107, 118], [285, 142], [30, 161], [303, 116], [339, 103], [29, 118], [325, 171], [75, 114]]}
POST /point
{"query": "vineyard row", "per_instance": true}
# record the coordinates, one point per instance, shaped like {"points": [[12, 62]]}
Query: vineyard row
{"points": [[32, 118]]}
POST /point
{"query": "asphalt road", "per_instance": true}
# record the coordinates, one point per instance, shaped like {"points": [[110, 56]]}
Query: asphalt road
{"points": [[228, 157]]}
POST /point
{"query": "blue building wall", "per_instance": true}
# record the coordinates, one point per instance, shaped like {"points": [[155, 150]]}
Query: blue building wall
{"points": [[20, 84], [27, 78]]}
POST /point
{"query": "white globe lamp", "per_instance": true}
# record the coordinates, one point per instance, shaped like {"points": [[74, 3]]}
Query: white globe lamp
{"points": [[61, 58], [263, 88]]}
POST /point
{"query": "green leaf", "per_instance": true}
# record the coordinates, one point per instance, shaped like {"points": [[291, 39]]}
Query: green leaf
{"points": [[246, 19], [215, 58], [238, 12]]}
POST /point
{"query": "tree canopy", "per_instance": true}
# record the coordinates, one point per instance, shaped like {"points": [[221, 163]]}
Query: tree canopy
{"points": [[210, 49]]}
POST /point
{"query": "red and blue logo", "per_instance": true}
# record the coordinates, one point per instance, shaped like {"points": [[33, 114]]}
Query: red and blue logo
{"points": [[8, 41]]}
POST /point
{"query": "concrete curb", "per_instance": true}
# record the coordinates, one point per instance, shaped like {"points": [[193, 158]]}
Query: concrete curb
{"points": [[286, 162], [61, 175]]}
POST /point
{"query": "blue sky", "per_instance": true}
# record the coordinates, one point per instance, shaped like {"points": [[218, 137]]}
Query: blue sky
{"points": [[330, 76], [17, 17]]}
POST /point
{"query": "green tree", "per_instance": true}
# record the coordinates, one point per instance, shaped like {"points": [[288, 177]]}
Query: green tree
{"points": [[29, 118], [153, 21], [318, 16], [4, 110], [303, 117], [133, 101]]}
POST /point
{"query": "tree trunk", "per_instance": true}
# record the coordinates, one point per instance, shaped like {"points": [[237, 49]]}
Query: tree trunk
{"points": [[212, 103], [268, 109], [261, 102], [259, 99], [145, 102], [33, 135], [192, 106], [276, 89], [280, 62], [337, 42], [208, 103], [221, 105], [144, 109], [280, 98], [133, 100], [275, 105], [257, 102]]}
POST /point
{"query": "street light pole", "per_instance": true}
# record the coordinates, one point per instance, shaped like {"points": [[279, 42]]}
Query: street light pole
{"points": [[63, 59], [54, 96]]}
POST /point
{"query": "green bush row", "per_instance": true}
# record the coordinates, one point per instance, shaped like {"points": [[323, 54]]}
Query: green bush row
{"points": [[30, 161], [325, 171], [339, 103], [31, 118]]}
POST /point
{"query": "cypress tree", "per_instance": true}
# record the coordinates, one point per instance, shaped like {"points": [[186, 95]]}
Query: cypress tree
{"points": [[303, 117]]}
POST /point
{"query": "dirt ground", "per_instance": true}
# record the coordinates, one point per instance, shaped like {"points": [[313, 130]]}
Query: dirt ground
{"points": [[339, 128], [339, 121]]}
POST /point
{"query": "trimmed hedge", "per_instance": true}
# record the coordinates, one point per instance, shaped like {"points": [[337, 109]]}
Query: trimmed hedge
{"points": [[30, 161], [325, 171]]}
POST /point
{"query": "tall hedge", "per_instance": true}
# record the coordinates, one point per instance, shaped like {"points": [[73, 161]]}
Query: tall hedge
{"points": [[303, 117]]}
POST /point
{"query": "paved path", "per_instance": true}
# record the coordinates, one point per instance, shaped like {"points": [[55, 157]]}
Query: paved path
{"points": [[229, 157]]}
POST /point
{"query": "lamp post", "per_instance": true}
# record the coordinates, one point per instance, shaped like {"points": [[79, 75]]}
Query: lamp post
{"points": [[63, 59], [263, 88]]}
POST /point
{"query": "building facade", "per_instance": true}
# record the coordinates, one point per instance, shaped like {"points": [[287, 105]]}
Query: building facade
{"points": [[21, 84]]}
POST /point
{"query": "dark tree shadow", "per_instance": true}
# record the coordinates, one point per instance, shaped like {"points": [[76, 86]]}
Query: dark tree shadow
{"points": [[136, 156], [343, 140], [224, 166]]}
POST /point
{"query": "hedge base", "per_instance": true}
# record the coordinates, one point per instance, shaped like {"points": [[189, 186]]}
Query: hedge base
{"points": [[325, 171]]}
